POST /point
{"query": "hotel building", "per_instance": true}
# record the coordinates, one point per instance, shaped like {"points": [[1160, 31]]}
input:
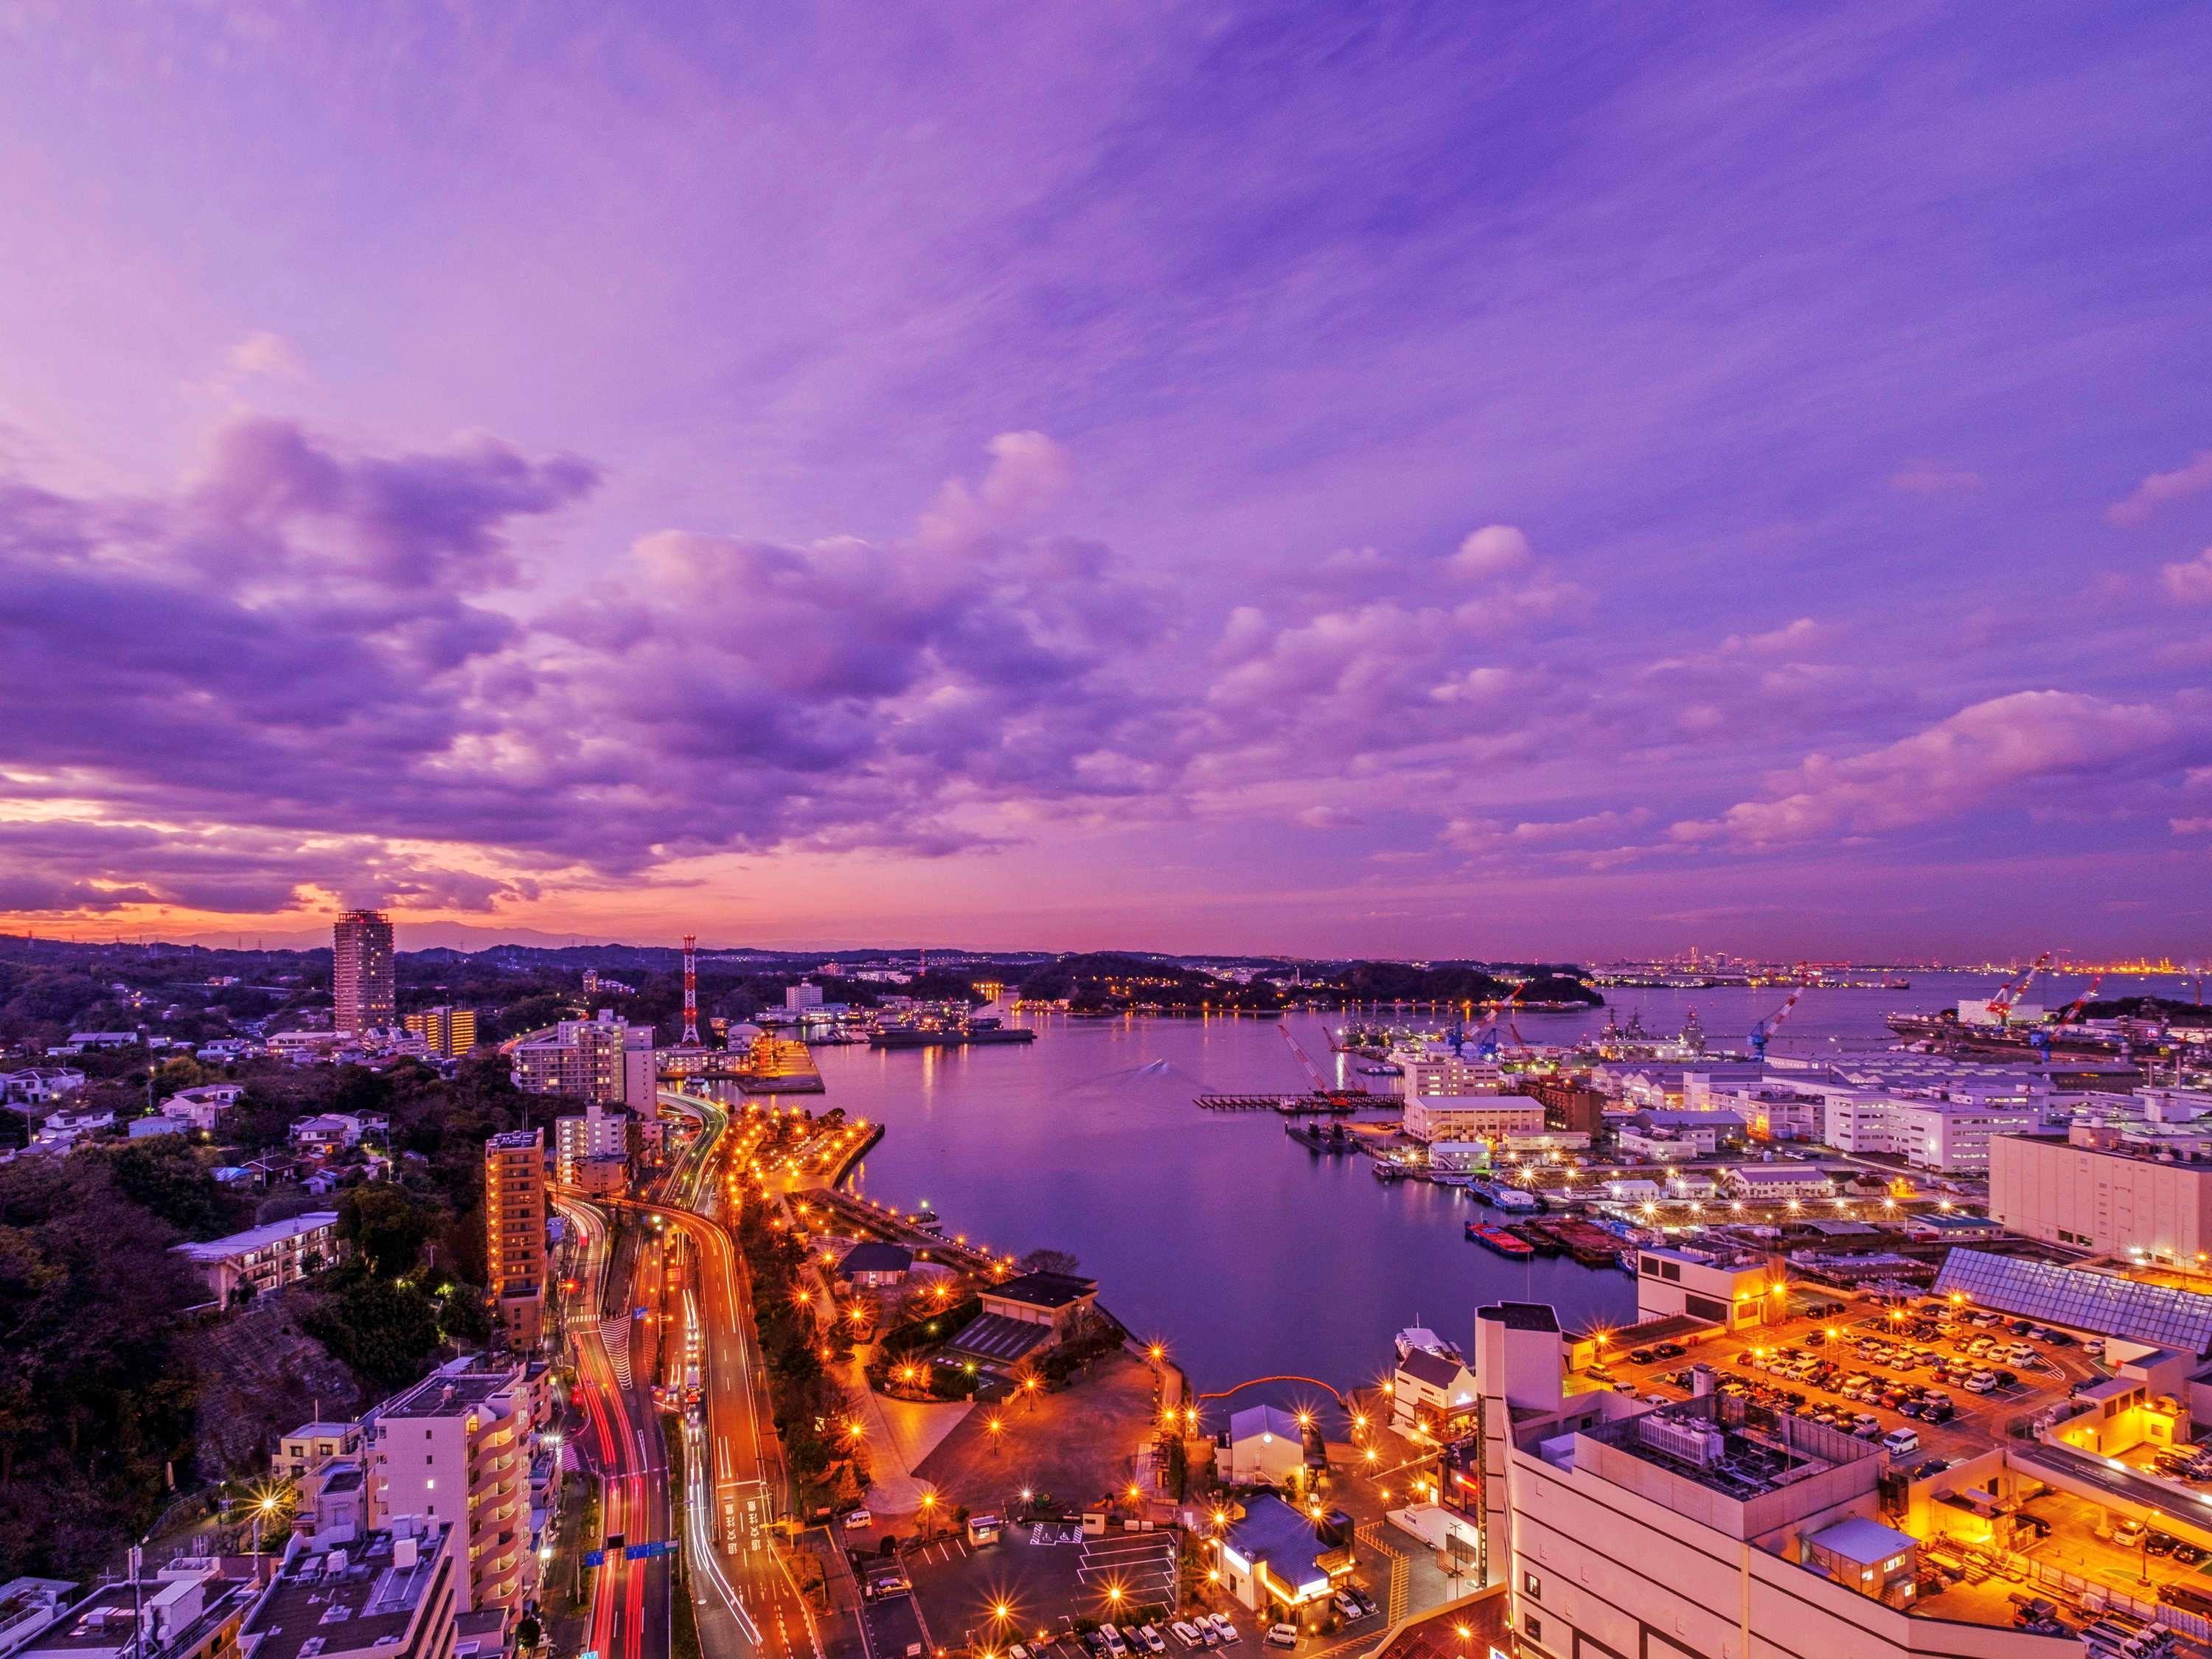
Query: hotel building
{"points": [[514, 1232], [363, 994]]}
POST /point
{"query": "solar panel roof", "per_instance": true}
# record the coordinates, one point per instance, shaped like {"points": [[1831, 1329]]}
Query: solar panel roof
{"points": [[2080, 1299]]}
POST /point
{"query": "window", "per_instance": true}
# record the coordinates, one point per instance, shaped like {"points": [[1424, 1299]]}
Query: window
{"points": [[1532, 1627], [1532, 1586]]}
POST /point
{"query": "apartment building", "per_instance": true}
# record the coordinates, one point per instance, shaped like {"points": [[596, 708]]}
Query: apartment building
{"points": [[392, 1594], [193, 1608], [1430, 1118], [265, 1259], [514, 1232], [595, 1132], [363, 996], [445, 1030], [455, 1448], [2112, 1189], [604, 1058]]}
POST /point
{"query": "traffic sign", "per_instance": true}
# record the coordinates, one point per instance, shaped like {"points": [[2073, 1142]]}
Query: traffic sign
{"points": [[595, 1558], [648, 1551]]}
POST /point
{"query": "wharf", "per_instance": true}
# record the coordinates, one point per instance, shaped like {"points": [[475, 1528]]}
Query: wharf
{"points": [[1334, 1101], [769, 1066]]}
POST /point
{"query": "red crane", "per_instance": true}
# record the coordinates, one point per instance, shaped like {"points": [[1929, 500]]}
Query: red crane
{"points": [[2012, 990], [1313, 1071]]}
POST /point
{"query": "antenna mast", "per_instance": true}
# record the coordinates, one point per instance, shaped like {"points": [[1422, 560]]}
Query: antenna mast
{"points": [[690, 991]]}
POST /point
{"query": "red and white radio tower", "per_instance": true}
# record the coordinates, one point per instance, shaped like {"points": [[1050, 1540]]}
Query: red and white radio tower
{"points": [[690, 991]]}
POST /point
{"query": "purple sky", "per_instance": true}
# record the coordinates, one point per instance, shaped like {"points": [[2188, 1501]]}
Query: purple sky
{"points": [[1471, 480]]}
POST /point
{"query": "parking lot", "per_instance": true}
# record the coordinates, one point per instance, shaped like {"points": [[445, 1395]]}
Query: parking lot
{"points": [[1034, 1583], [1859, 1368]]}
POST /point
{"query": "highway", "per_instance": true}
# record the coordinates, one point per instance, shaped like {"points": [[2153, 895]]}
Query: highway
{"points": [[622, 1434], [742, 1591]]}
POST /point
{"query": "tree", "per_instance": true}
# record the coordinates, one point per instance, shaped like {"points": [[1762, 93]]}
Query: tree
{"points": [[1049, 1261], [162, 1175], [387, 1224]]}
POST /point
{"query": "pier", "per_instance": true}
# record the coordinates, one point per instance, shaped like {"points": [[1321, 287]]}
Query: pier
{"points": [[1342, 1100]]}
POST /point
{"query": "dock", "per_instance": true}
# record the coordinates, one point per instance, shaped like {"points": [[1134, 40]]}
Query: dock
{"points": [[1334, 1101]]}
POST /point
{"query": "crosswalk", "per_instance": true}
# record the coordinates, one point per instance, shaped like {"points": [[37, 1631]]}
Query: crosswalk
{"points": [[614, 1336]]}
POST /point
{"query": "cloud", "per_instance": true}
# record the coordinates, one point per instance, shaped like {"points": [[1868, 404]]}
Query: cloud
{"points": [[1801, 634], [2189, 581], [1490, 835], [2190, 478], [1983, 754], [1935, 478], [1329, 817], [266, 356], [1494, 551], [302, 683], [2191, 826]]}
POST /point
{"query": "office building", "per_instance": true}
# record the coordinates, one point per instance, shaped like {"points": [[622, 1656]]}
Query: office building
{"points": [[796, 999], [445, 1029], [391, 1595], [2111, 1189], [1439, 1070], [456, 1448], [514, 1232], [607, 1059], [1431, 1118], [362, 995]]}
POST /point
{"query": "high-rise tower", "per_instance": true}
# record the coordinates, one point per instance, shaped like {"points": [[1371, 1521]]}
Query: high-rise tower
{"points": [[690, 991], [362, 998]]}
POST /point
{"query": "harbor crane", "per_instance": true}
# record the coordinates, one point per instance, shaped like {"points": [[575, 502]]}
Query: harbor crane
{"points": [[2041, 1035], [1765, 1028], [2008, 993], [1313, 1071]]}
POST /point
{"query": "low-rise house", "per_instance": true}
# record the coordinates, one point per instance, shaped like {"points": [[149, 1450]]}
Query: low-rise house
{"points": [[1433, 1393], [39, 1085], [202, 1107], [80, 1040], [223, 1050], [327, 1133], [158, 1124], [873, 1265], [1059, 1300], [62, 1130], [1264, 1446], [264, 1259], [1274, 1557]]}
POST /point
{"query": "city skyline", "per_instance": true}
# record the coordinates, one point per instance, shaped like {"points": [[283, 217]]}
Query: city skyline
{"points": [[1186, 480]]}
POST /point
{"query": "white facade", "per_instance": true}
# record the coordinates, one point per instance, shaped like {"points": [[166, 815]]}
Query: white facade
{"points": [[1472, 1117], [595, 1132], [268, 1258], [804, 995], [457, 1447], [1265, 1448], [1950, 1136], [1440, 1072], [1779, 1181]]}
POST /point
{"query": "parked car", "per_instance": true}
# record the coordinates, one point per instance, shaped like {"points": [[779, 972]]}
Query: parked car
{"points": [[2128, 1534], [1154, 1642], [1186, 1634], [1114, 1645], [1282, 1635], [1224, 1626], [1641, 1356], [1668, 1350], [1900, 1443]]}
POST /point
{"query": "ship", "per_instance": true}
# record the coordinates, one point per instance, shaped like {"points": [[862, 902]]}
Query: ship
{"points": [[1497, 1239], [948, 1036]]}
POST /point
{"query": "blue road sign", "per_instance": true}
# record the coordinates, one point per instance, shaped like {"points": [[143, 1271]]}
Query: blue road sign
{"points": [[595, 1557], [659, 1546]]}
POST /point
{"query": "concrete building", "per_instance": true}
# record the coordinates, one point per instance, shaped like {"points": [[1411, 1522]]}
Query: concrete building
{"points": [[2106, 1190], [1437, 1071], [445, 1029], [1431, 1118], [1729, 1289], [193, 1608], [1686, 1531], [607, 1059], [593, 1132], [796, 999], [392, 1594], [265, 1259], [873, 1265], [514, 1232], [1701, 1131], [202, 1107], [456, 1448], [1057, 1300], [39, 1085], [1951, 1137], [1264, 1446], [363, 997]]}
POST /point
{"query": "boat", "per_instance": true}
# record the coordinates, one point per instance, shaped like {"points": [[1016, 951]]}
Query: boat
{"points": [[948, 1036], [1530, 1234], [1499, 1239]]}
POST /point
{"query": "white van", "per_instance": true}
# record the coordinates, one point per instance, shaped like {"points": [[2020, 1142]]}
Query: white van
{"points": [[1900, 1443]]}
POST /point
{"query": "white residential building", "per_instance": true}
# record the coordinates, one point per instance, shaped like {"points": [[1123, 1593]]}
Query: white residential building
{"points": [[264, 1259], [1773, 1182], [202, 1107], [39, 1085], [595, 1132], [607, 1059], [1265, 1448], [1436, 1070], [456, 1447]]}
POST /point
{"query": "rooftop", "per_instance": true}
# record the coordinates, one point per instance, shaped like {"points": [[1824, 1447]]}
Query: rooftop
{"points": [[1438, 1371], [2080, 1299], [445, 1394], [1265, 1419], [1710, 1441], [1522, 1315], [255, 1238], [1043, 1289], [1272, 1533], [873, 1256], [365, 1595]]}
